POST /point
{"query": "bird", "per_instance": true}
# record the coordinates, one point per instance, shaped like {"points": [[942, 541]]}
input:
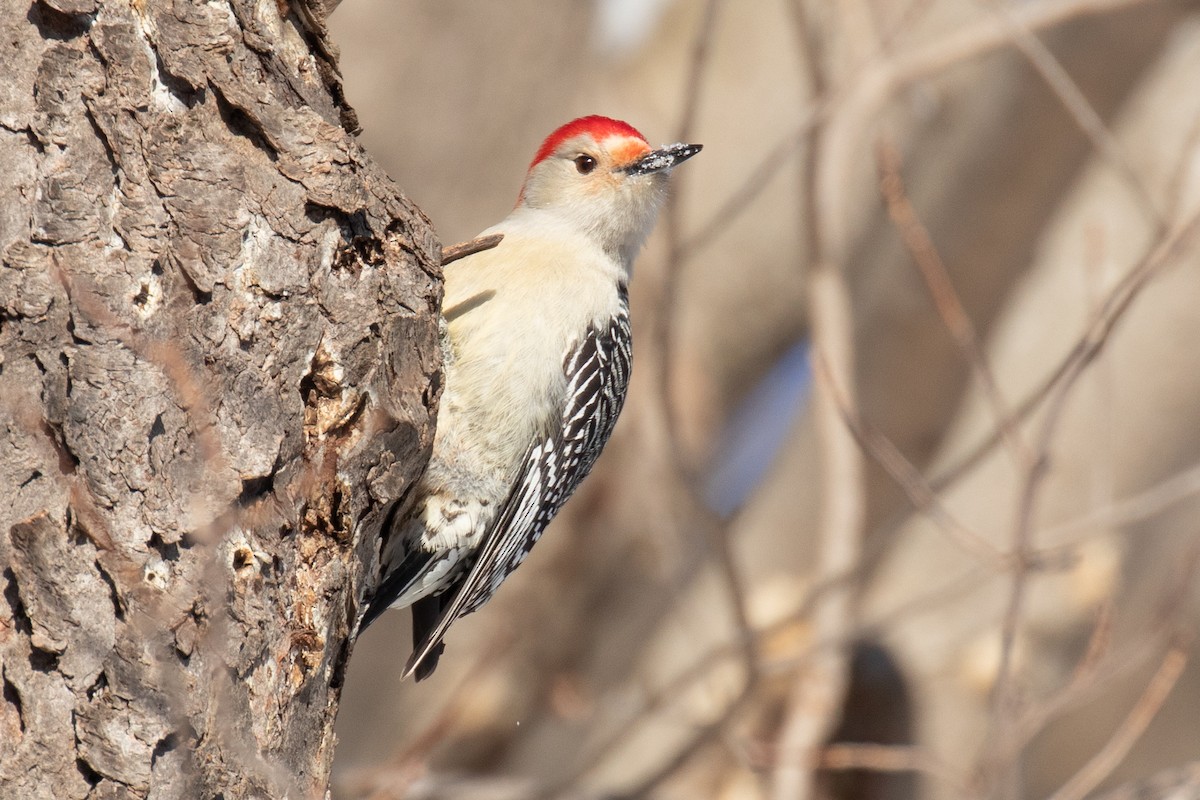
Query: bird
{"points": [[537, 353]]}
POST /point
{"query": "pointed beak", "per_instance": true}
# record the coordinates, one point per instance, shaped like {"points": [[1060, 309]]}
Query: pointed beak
{"points": [[663, 159]]}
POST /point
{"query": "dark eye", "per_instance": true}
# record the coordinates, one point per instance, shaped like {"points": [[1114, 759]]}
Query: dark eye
{"points": [[585, 164]]}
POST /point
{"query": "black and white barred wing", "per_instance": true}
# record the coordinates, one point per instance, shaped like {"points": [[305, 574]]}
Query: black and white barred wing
{"points": [[597, 372]]}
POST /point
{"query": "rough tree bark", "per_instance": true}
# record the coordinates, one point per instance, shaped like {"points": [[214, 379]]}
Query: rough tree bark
{"points": [[217, 372]]}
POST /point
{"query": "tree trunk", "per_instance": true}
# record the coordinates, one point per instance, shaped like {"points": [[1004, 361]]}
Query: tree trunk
{"points": [[217, 374]]}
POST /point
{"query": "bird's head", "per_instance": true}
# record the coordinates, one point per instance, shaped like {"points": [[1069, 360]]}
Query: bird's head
{"points": [[601, 176]]}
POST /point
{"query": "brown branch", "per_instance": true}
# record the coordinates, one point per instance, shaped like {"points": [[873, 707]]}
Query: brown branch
{"points": [[941, 289], [881, 78], [464, 249], [1110, 312], [1080, 110], [1131, 728], [1098, 669], [906, 475], [891, 758], [815, 700], [1005, 711], [664, 329], [702, 736], [1146, 503]]}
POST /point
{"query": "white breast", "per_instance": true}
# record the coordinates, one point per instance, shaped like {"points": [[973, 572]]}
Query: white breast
{"points": [[514, 311]]}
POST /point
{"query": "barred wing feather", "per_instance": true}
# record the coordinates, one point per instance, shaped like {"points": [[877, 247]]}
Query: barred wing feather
{"points": [[597, 372]]}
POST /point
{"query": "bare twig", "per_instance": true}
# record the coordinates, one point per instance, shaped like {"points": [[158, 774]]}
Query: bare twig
{"points": [[1080, 110], [882, 77], [922, 497], [1110, 312], [1104, 320], [815, 700], [1098, 668], [1146, 503], [702, 736], [1102, 473], [672, 270], [891, 758], [463, 249], [945, 299], [1098, 644], [1131, 728]]}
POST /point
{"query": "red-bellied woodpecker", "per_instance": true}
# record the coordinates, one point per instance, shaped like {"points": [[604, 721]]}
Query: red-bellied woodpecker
{"points": [[537, 357]]}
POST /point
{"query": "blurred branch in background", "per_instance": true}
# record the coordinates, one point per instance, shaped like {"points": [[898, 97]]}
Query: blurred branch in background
{"points": [[965, 566]]}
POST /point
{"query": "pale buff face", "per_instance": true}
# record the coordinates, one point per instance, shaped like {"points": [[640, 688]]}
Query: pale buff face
{"points": [[585, 181]]}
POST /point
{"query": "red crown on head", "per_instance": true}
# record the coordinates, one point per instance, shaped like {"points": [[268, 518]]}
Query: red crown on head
{"points": [[599, 127]]}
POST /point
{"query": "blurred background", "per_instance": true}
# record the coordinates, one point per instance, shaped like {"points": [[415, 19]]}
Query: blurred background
{"points": [[905, 501]]}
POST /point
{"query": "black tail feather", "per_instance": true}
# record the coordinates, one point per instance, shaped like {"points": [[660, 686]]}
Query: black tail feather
{"points": [[426, 613]]}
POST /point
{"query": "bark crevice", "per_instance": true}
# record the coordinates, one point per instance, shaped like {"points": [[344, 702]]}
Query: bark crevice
{"points": [[213, 393]]}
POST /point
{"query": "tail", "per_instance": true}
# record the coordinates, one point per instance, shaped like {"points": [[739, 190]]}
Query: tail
{"points": [[426, 613]]}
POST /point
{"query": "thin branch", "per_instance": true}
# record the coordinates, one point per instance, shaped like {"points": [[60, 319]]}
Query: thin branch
{"points": [[1146, 503], [664, 332], [464, 249], [1098, 644], [891, 758], [1101, 765], [815, 700], [941, 289], [881, 78], [702, 736], [920, 495], [1005, 697], [1094, 673], [1081, 111], [1110, 312]]}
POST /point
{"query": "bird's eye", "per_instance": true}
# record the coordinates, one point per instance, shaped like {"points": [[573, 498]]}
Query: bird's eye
{"points": [[585, 164]]}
